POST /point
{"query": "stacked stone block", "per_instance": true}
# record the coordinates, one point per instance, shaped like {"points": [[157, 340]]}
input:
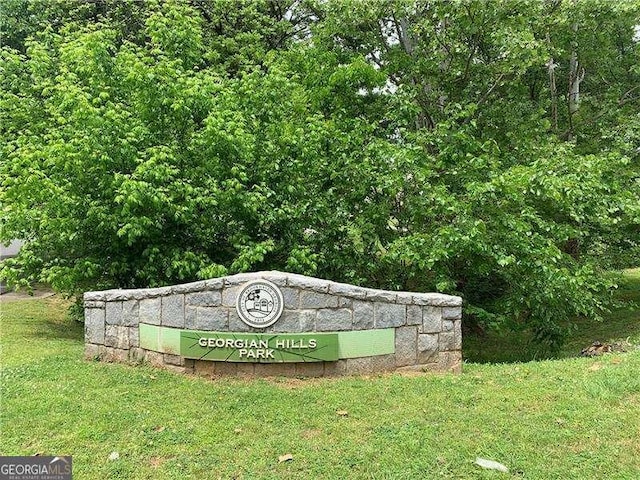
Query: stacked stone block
{"points": [[427, 325]]}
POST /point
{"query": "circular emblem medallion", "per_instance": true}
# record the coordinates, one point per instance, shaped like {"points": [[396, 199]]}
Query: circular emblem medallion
{"points": [[259, 303]]}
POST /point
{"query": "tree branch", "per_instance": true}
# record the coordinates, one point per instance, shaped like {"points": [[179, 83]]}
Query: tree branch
{"points": [[484, 97], [623, 98]]}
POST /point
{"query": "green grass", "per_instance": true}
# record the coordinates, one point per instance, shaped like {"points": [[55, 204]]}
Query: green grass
{"points": [[621, 325], [575, 418]]}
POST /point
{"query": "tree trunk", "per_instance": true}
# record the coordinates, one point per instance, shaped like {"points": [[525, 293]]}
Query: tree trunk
{"points": [[551, 67], [576, 75], [423, 119], [554, 94]]}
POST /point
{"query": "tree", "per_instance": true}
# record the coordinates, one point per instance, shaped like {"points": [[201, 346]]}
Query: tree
{"points": [[401, 145]]}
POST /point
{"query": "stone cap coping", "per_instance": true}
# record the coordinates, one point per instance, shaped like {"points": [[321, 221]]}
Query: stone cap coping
{"points": [[281, 279]]}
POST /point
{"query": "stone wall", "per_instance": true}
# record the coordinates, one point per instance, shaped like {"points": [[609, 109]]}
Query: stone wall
{"points": [[424, 328]]}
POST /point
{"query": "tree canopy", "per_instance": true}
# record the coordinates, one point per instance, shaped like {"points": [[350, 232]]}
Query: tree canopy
{"points": [[484, 148]]}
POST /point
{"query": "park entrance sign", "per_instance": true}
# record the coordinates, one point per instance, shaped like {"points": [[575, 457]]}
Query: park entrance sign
{"points": [[251, 347], [274, 323]]}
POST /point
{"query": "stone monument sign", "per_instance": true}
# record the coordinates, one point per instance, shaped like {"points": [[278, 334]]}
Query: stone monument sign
{"points": [[275, 323]]}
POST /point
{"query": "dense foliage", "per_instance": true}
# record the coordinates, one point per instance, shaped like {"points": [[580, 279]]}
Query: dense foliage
{"points": [[482, 148]]}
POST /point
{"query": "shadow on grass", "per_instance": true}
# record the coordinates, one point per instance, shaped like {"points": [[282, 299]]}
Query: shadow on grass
{"points": [[621, 325], [70, 330], [40, 318]]}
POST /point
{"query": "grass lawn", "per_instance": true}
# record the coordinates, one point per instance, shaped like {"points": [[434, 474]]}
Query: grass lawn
{"points": [[575, 418]]}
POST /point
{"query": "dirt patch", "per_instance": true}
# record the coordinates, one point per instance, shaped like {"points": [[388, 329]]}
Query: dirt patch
{"points": [[22, 295], [311, 433], [156, 462], [291, 383]]}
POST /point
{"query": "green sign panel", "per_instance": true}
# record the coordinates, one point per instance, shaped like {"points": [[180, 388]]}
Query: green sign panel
{"points": [[259, 347]]}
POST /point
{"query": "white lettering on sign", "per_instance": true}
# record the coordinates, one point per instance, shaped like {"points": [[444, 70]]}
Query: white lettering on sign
{"points": [[235, 343], [238, 344], [290, 344], [257, 353]]}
